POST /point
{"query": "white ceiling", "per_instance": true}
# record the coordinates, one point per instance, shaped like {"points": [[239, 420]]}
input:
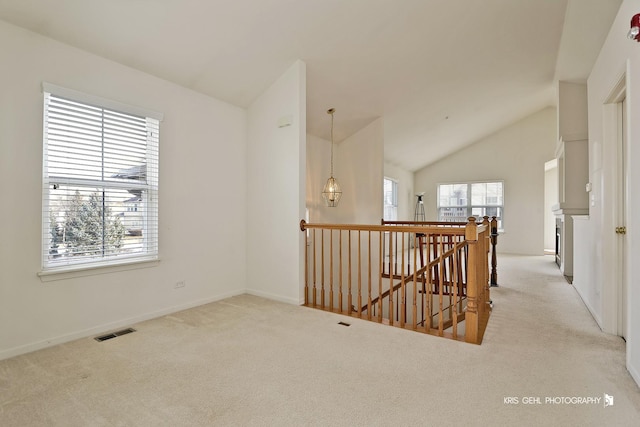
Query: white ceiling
{"points": [[442, 73]]}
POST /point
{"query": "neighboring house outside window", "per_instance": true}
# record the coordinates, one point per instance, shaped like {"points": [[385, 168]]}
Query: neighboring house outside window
{"points": [[459, 201], [390, 196], [100, 185]]}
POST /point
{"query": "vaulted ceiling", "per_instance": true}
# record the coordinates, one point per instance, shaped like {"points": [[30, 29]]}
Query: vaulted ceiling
{"points": [[442, 73]]}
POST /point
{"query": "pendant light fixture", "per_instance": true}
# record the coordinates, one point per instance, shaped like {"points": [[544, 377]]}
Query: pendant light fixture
{"points": [[331, 191]]}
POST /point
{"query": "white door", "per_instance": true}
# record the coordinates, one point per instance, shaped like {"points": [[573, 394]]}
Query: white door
{"points": [[623, 165]]}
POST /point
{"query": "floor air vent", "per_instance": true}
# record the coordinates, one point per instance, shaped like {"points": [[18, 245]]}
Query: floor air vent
{"points": [[114, 334]]}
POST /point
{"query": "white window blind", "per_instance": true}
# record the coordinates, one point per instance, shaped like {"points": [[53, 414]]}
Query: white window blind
{"points": [[100, 182]]}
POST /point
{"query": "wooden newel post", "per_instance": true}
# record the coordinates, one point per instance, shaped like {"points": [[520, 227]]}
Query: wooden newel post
{"points": [[303, 224], [472, 315], [487, 234], [494, 258], [485, 301]]}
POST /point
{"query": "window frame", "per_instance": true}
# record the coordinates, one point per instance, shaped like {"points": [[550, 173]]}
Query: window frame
{"points": [[394, 192], [469, 206], [149, 188]]}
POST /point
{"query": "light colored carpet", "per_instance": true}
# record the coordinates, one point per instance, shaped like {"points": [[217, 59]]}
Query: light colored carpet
{"points": [[249, 361]]}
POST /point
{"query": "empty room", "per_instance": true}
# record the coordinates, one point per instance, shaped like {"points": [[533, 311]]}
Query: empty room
{"points": [[357, 212]]}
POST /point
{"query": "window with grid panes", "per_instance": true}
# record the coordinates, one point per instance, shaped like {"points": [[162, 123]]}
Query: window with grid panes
{"points": [[100, 181], [457, 202]]}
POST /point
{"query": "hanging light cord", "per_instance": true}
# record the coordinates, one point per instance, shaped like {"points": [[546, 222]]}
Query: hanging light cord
{"points": [[331, 111]]}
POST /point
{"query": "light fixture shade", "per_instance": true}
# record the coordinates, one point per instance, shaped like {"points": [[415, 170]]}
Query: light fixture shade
{"points": [[331, 192]]}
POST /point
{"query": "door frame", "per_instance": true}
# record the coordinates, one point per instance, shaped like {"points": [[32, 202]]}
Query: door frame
{"points": [[618, 134]]}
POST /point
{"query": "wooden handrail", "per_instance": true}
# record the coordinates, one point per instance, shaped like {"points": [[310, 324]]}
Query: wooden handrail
{"points": [[419, 272], [395, 288], [458, 231], [430, 295], [493, 236], [425, 223]]}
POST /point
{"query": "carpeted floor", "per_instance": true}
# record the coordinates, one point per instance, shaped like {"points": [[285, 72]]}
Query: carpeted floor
{"points": [[250, 361]]}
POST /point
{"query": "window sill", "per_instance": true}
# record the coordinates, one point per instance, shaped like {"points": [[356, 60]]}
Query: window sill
{"points": [[63, 273]]}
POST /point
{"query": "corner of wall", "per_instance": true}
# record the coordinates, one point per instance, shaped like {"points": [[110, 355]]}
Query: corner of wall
{"points": [[276, 165]]}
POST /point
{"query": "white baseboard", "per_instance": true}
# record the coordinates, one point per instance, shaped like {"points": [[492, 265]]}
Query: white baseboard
{"points": [[634, 373], [274, 297], [595, 316], [39, 345]]}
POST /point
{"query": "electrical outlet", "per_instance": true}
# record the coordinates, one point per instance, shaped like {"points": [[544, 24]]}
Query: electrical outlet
{"points": [[180, 284]]}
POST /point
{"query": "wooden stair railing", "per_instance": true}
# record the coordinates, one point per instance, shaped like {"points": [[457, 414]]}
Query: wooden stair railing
{"points": [[493, 237], [348, 270]]}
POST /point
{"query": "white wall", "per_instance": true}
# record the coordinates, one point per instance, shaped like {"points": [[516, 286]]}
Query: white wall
{"points": [[358, 168], [572, 111], [202, 225], [585, 269], [619, 56], [406, 195], [276, 189], [318, 167], [515, 155]]}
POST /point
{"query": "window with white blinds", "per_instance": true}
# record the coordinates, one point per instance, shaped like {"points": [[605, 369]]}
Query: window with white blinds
{"points": [[100, 181]]}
